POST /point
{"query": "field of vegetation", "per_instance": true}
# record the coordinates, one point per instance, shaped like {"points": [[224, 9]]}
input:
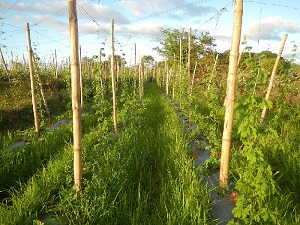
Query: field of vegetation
{"points": [[144, 173]]}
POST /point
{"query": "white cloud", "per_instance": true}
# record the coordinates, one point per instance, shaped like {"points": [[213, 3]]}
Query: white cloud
{"points": [[149, 6], [270, 28], [144, 29], [51, 11], [198, 11], [166, 9], [100, 13], [45, 8]]}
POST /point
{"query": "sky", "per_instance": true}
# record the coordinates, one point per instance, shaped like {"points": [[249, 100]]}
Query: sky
{"points": [[264, 24]]}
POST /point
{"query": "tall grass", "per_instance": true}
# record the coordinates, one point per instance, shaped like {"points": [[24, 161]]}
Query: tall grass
{"points": [[40, 194], [20, 164], [143, 175], [279, 143]]}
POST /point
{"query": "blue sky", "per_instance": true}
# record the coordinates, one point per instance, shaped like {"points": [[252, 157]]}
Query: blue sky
{"points": [[264, 23]]}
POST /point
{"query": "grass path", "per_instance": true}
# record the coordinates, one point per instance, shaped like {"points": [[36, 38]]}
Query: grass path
{"points": [[144, 175]]}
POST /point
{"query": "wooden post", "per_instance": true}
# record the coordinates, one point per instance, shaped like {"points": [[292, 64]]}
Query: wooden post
{"points": [[75, 84], [118, 71], [56, 66], [12, 60], [230, 93], [42, 90], [180, 70], [34, 104], [154, 73], [80, 78], [113, 82], [142, 77], [5, 66], [24, 62], [174, 77], [193, 78], [240, 56], [263, 113], [189, 77], [189, 57], [121, 72], [87, 69], [213, 71], [167, 77], [134, 74]]}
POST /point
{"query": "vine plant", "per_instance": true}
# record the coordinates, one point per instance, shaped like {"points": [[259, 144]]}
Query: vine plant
{"points": [[256, 185]]}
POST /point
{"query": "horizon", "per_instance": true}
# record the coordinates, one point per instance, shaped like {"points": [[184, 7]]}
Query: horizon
{"points": [[264, 23]]}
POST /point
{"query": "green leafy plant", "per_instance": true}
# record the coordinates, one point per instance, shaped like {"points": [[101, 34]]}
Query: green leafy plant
{"points": [[256, 185]]}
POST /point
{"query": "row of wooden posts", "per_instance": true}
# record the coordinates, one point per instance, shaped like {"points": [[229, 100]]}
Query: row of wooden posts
{"points": [[76, 86], [77, 98], [76, 91], [53, 61], [230, 91]]}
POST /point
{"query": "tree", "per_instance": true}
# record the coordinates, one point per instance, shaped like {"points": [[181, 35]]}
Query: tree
{"points": [[148, 60], [201, 45], [118, 59]]}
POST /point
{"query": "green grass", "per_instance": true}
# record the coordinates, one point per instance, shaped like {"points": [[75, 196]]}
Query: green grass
{"points": [[145, 174], [16, 106], [40, 193], [141, 175], [18, 165], [280, 151]]}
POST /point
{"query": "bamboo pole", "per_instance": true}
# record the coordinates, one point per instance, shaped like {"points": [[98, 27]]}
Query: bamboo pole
{"points": [[230, 93], [142, 77], [118, 71], [12, 60], [56, 66], [33, 95], [42, 90], [194, 73], [173, 87], [87, 69], [75, 80], [5, 66], [167, 77], [24, 62], [145, 73], [216, 61], [170, 75], [80, 78], [240, 56], [189, 77], [180, 70], [154, 73], [174, 77], [113, 82], [272, 79], [213, 71], [134, 74]]}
